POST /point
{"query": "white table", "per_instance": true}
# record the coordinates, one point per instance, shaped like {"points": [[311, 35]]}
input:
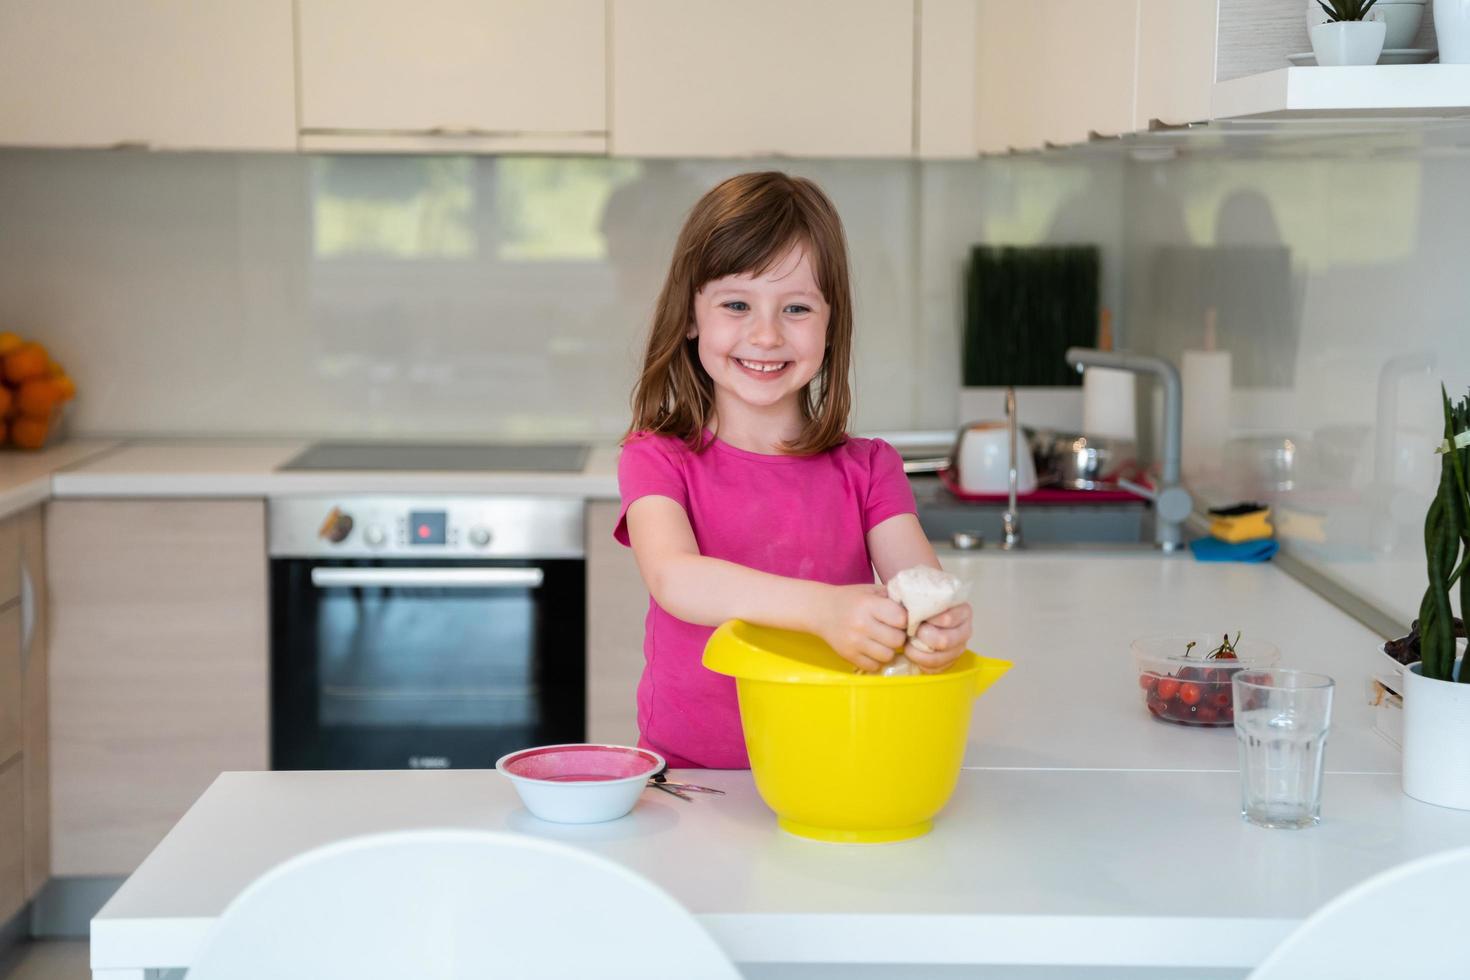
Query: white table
{"points": [[1076, 837]]}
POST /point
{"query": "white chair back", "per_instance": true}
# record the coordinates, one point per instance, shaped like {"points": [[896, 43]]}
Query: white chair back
{"points": [[1403, 923], [455, 905]]}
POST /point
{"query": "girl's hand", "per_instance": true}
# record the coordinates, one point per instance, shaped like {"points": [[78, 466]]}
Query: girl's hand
{"points": [[863, 625], [941, 639]]}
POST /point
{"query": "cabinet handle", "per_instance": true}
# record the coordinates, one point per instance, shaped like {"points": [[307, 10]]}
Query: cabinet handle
{"points": [[27, 616]]}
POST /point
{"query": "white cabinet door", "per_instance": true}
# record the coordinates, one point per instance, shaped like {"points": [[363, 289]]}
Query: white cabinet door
{"points": [[948, 86], [762, 77], [1086, 75], [1176, 61], [1008, 101], [170, 74], [463, 71]]}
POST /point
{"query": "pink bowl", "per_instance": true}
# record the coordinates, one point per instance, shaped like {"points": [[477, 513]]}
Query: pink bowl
{"points": [[580, 783]]}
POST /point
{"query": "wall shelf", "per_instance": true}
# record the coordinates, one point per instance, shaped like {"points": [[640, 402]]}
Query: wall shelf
{"points": [[1402, 92]]}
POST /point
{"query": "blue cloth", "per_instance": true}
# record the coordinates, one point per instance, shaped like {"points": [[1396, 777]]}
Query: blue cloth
{"points": [[1213, 549]]}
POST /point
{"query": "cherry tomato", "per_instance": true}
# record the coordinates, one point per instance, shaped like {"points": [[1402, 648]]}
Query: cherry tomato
{"points": [[1148, 680], [1190, 693], [1167, 688], [1220, 699], [1207, 715]]}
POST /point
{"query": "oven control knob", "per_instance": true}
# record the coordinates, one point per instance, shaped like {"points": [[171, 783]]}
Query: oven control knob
{"points": [[479, 536], [336, 527], [375, 536]]}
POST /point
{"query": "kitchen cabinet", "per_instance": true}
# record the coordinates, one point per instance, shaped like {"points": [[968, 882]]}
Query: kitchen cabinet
{"points": [[12, 839], [158, 645], [762, 77], [25, 789], [1086, 73], [1176, 62], [617, 603], [166, 74], [455, 75], [35, 710]]}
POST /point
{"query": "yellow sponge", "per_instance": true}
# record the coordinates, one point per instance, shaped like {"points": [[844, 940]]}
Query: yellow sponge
{"points": [[1237, 524]]}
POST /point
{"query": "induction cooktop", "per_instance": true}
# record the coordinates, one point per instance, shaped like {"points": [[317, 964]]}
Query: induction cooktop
{"points": [[464, 457]]}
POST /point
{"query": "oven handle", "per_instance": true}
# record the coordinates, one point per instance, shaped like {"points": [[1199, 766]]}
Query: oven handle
{"points": [[434, 578]]}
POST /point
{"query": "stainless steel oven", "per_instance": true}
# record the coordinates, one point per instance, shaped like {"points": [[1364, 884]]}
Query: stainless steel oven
{"points": [[424, 632]]}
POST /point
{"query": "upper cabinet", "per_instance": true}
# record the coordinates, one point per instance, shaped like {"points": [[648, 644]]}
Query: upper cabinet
{"points": [[762, 77], [1176, 62], [459, 75], [166, 74]]}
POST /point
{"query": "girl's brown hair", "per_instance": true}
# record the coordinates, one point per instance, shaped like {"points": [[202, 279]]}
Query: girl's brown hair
{"points": [[744, 226]]}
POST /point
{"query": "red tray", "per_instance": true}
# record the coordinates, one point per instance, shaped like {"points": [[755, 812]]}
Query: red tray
{"points": [[1041, 495]]}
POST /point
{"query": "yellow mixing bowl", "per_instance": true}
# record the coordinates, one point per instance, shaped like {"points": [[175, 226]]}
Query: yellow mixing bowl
{"points": [[841, 756]]}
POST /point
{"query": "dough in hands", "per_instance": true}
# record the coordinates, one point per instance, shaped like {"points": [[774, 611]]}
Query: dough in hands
{"points": [[925, 592]]}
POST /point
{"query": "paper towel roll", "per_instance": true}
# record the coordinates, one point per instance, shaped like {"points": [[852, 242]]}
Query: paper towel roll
{"points": [[1206, 378], [1107, 404]]}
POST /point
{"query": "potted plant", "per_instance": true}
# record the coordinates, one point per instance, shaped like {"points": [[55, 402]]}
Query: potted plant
{"points": [[1348, 37], [1437, 690]]}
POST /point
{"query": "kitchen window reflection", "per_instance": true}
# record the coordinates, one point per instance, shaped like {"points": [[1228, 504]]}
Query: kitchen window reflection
{"points": [[426, 208]]}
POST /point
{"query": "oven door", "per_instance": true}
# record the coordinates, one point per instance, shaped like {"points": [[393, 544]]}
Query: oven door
{"points": [[391, 664]]}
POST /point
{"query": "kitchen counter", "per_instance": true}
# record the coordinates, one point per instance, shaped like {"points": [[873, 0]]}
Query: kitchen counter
{"points": [[1025, 867], [1072, 700], [1074, 839], [26, 477], [181, 468]]}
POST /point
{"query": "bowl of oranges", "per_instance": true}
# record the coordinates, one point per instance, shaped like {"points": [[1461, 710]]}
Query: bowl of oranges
{"points": [[34, 393]]}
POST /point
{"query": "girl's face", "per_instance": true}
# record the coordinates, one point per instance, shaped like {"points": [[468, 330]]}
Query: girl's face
{"points": [[762, 338]]}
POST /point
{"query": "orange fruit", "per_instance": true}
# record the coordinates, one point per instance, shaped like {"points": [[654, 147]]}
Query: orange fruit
{"points": [[5, 402], [53, 369], [9, 342], [66, 386], [25, 362], [29, 433], [38, 397]]}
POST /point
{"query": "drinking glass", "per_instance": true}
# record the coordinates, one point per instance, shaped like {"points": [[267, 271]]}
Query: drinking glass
{"points": [[1281, 723]]}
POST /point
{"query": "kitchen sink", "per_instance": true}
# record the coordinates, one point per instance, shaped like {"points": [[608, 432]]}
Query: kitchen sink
{"points": [[1112, 524]]}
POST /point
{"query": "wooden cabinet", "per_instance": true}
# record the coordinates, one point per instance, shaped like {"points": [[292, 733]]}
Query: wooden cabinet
{"points": [[617, 603], [158, 644], [476, 75], [23, 791], [174, 74], [12, 839], [35, 713], [762, 77]]}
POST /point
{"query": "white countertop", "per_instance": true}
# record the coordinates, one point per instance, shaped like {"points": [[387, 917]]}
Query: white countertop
{"points": [[1075, 836], [26, 476], [183, 468], [1023, 867], [1072, 700]]}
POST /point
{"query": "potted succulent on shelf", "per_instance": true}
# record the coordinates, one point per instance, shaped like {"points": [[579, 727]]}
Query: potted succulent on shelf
{"points": [[1437, 689], [1349, 37]]}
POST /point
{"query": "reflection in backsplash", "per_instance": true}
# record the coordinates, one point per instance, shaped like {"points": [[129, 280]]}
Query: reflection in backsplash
{"points": [[1338, 282], [463, 297]]}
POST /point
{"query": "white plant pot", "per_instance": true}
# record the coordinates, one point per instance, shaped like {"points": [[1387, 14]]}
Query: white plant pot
{"points": [[1452, 25], [1403, 18], [1437, 739], [1349, 42]]}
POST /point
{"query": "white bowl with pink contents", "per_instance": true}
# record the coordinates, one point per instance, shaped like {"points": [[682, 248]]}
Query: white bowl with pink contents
{"points": [[580, 783]]}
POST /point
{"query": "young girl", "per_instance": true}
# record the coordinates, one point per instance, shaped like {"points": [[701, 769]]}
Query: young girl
{"points": [[743, 496]]}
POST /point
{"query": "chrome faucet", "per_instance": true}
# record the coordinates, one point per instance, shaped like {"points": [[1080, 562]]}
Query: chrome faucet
{"points": [[1011, 519], [1172, 503]]}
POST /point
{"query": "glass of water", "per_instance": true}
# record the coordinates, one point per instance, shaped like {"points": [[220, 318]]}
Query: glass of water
{"points": [[1281, 722]]}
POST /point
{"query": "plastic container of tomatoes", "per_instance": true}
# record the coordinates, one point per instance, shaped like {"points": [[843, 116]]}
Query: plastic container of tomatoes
{"points": [[1185, 677]]}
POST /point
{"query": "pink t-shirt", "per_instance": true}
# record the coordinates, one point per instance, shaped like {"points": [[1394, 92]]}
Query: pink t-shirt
{"points": [[799, 516]]}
